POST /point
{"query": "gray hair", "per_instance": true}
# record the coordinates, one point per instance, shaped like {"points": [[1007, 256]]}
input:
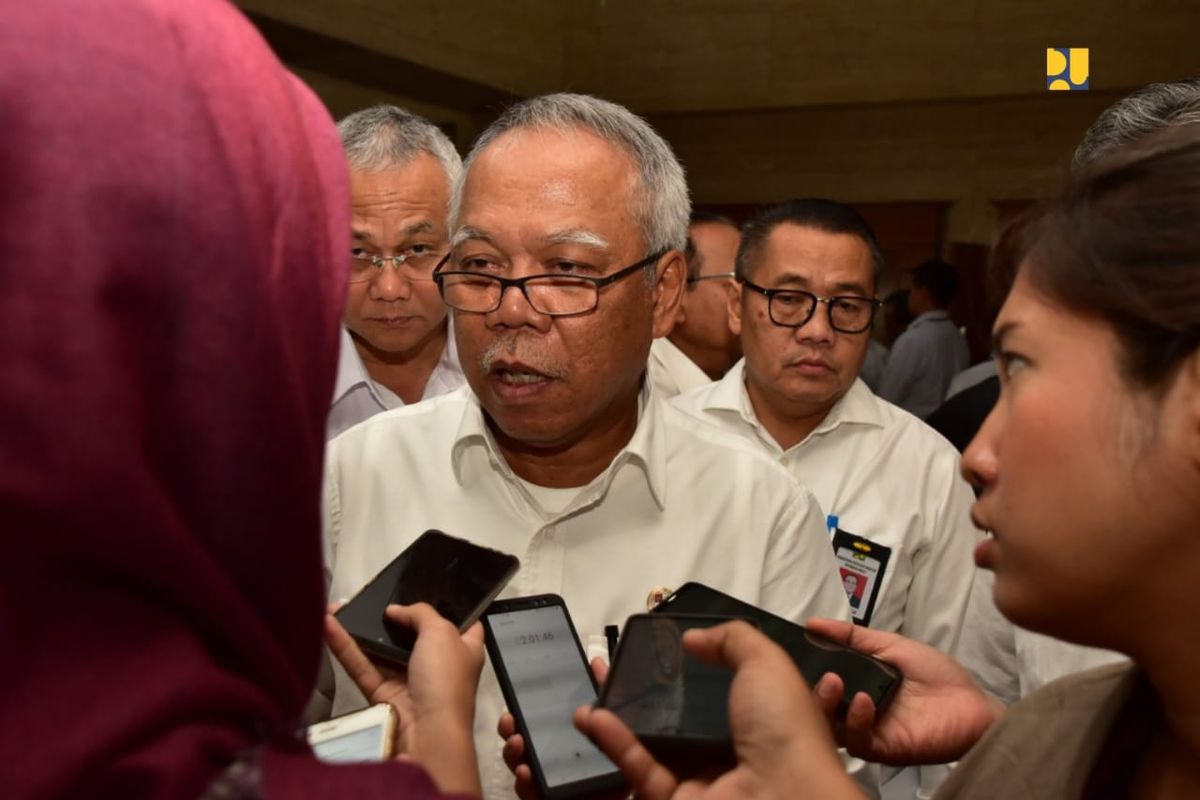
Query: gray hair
{"points": [[660, 201], [1147, 110], [385, 136]]}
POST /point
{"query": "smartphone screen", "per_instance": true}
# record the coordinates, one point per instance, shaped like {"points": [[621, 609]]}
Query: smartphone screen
{"points": [[549, 679], [667, 697], [351, 748], [813, 655], [456, 577], [357, 737]]}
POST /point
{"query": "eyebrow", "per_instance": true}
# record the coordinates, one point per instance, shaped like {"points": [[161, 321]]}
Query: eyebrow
{"points": [[1000, 333], [424, 226], [578, 236], [467, 233], [838, 288]]}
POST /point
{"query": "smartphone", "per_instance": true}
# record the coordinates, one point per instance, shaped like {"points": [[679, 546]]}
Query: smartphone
{"points": [[676, 705], [454, 576], [360, 736], [544, 675], [814, 655]]}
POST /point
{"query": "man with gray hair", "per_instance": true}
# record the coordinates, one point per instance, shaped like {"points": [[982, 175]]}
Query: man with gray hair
{"points": [[396, 346], [568, 229]]}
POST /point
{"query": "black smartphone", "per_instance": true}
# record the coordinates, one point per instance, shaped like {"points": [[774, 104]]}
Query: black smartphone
{"points": [[676, 705], [814, 655], [454, 576], [544, 676]]}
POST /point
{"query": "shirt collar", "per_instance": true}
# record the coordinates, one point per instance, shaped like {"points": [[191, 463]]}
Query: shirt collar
{"points": [[646, 450], [858, 406], [937, 315], [351, 371]]}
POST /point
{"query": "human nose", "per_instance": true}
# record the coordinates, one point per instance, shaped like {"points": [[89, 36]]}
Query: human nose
{"points": [[515, 311], [390, 285], [980, 466], [819, 327]]}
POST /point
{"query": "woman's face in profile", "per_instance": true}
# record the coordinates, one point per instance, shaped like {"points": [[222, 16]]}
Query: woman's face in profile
{"points": [[1086, 482]]}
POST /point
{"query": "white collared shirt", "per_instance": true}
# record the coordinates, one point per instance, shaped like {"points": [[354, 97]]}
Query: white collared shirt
{"points": [[922, 363], [887, 477], [356, 396], [682, 501], [671, 371]]}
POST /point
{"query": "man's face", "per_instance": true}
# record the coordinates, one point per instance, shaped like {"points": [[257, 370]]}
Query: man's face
{"points": [[537, 202], [704, 321], [807, 369], [395, 211]]}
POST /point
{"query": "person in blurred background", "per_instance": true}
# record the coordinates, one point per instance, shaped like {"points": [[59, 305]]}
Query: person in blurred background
{"points": [[932, 350]]}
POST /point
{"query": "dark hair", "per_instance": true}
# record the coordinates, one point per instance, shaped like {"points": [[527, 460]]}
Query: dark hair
{"points": [[1122, 243], [689, 251], [808, 212], [938, 278]]}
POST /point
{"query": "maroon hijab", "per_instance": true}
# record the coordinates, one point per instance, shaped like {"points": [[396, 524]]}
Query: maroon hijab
{"points": [[173, 219]]}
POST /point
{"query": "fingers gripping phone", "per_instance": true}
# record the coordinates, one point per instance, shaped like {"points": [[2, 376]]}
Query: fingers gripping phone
{"points": [[454, 576], [361, 736], [676, 705], [544, 675], [814, 655]]}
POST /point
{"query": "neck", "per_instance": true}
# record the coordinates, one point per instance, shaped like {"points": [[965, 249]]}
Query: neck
{"points": [[578, 460], [405, 373], [788, 423], [1170, 664], [714, 361]]}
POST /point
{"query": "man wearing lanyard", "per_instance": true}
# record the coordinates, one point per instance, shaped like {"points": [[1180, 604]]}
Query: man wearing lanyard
{"points": [[898, 510]]}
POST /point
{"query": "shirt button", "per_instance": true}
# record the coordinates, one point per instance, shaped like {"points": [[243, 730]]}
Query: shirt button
{"points": [[548, 532]]}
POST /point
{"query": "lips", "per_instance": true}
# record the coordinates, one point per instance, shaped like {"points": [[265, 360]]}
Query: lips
{"points": [[810, 365], [516, 380]]}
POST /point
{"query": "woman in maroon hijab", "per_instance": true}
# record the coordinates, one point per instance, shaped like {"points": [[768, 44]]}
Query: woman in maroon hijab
{"points": [[173, 221]]}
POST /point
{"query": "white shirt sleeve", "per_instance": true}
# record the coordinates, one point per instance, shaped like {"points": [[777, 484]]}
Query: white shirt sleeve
{"points": [[800, 577]]}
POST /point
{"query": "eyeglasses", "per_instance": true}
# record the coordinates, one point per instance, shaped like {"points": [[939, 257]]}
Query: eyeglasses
{"points": [[412, 264], [715, 276], [552, 295], [793, 308]]}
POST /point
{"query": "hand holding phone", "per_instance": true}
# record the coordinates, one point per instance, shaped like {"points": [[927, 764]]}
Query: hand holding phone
{"points": [[434, 696], [456, 577], [784, 742], [814, 655], [544, 676], [676, 704]]}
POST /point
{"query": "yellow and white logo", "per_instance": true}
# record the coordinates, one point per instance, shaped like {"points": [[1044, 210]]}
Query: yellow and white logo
{"points": [[1067, 69]]}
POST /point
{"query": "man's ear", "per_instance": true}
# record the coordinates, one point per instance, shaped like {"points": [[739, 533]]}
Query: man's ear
{"points": [[668, 292], [734, 293]]}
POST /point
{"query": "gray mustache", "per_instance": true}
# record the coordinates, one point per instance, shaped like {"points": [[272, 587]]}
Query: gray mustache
{"points": [[526, 350]]}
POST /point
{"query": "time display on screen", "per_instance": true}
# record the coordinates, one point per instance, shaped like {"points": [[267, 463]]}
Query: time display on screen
{"points": [[534, 638]]}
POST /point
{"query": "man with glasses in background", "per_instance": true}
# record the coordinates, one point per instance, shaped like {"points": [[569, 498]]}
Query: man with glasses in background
{"points": [[396, 347], [898, 510], [701, 339], [568, 227]]}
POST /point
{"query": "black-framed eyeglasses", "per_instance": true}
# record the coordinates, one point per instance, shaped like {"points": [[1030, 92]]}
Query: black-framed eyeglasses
{"points": [[793, 308], [552, 295], [416, 266], [715, 276]]}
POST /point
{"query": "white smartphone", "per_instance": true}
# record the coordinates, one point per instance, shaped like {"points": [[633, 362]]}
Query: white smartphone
{"points": [[356, 737]]}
